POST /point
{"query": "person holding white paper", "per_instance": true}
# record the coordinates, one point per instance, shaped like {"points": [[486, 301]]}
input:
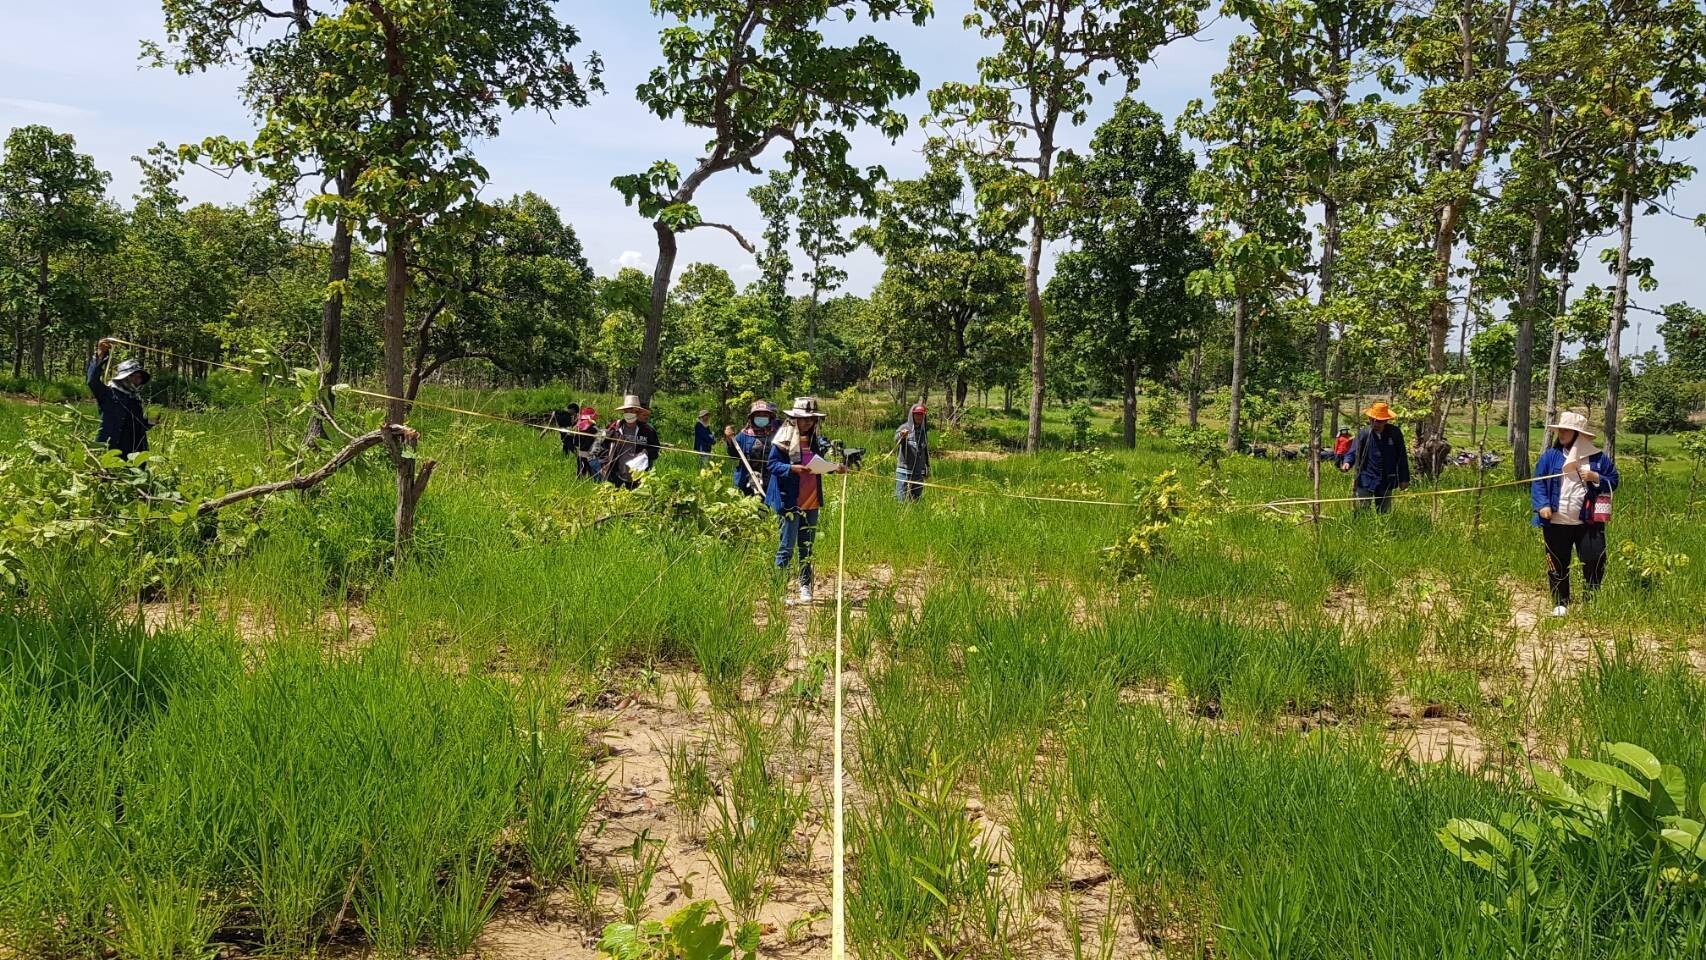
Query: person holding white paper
{"points": [[628, 447], [1571, 496], [798, 460]]}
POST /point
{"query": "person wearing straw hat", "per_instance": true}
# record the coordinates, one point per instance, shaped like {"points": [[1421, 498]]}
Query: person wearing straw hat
{"points": [[703, 438], [1377, 460], [912, 456], [124, 424], [795, 488], [1571, 495], [628, 447], [750, 448]]}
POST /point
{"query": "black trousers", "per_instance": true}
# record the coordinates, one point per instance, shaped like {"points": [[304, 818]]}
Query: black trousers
{"points": [[1588, 542]]}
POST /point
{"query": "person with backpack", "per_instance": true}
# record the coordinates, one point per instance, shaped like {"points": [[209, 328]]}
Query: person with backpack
{"points": [[795, 488], [750, 447], [1378, 461], [124, 424], [1571, 496], [912, 456]]}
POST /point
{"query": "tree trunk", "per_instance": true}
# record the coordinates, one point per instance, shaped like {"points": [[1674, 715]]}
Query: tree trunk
{"points": [[1323, 334], [1235, 398], [410, 486], [1039, 335], [811, 317], [38, 341], [17, 343], [1193, 394], [332, 323], [1619, 308], [1563, 305], [645, 377], [1522, 377], [1130, 407]]}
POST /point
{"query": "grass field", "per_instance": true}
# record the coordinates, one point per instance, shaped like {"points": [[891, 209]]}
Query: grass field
{"points": [[1245, 742]]}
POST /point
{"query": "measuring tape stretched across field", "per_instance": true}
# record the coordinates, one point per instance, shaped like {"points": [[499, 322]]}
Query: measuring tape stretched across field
{"points": [[838, 937]]}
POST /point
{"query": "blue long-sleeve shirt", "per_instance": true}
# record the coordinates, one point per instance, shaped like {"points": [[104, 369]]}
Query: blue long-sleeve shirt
{"points": [[124, 425], [756, 449], [1544, 491], [782, 492], [1381, 460], [703, 439]]}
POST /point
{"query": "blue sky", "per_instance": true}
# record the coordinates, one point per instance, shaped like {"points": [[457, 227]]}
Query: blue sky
{"points": [[74, 66]]}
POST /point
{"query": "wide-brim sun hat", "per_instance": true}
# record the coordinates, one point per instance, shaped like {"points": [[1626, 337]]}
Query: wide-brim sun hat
{"points": [[1571, 420], [760, 406], [631, 401], [1380, 411], [129, 367], [805, 408]]}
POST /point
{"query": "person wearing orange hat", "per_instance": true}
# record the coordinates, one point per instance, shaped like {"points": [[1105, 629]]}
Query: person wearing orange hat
{"points": [[912, 456], [1378, 460]]}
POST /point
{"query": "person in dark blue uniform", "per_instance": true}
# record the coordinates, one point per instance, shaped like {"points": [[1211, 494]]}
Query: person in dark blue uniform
{"points": [[1378, 460], [124, 425]]}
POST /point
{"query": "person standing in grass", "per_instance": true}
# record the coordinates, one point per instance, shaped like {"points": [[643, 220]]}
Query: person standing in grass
{"points": [[750, 448], [912, 456], [795, 490], [1569, 480], [581, 440], [124, 424], [1377, 460], [703, 438], [628, 447]]}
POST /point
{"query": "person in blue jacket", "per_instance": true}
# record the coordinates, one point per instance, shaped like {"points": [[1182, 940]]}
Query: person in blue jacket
{"points": [[751, 447], [124, 425], [1568, 481], [795, 490], [1378, 460], [703, 438]]}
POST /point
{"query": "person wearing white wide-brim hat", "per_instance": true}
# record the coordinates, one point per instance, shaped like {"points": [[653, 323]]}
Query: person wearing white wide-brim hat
{"points": [[628, 447], [1571, 496], [795, 488]]}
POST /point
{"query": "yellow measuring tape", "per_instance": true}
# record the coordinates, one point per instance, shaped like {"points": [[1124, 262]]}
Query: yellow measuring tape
{"points": [[838, 849]]}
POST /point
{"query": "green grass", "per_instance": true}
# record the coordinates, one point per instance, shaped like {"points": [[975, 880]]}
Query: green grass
{"points": [[329, 749]]}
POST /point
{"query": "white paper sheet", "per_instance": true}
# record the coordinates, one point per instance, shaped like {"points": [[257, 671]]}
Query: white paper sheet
{"points": [[823, 465], [639, 463]]}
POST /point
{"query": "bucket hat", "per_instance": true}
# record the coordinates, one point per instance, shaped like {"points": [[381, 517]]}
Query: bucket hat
{"points": [[631, 401], [129, 367], [805, 407], [1570, 420]]}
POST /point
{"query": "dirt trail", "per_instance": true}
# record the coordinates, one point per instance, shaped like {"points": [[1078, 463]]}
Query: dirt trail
{"points": [[640, 798]]}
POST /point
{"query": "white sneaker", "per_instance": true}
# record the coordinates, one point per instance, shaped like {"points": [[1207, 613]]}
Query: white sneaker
{"points": [[1560, 610], [805, 594]]}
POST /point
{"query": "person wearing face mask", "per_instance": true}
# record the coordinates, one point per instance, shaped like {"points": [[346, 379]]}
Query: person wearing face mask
{"points": [[628, 447], [581, 440], [1571, 478], [795, 488], [750, 448], [124, 425]]}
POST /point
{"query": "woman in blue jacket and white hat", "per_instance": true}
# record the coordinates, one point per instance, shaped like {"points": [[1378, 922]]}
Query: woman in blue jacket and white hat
{"points": [[1571, 495]]}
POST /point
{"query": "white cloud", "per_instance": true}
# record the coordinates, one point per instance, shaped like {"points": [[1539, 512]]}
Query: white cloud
{"points": [[47, 108], [630, 258], [747, 268]]}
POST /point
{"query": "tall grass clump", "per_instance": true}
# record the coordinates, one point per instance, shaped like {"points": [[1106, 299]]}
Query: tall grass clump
{"points": [[1273, 845]]}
